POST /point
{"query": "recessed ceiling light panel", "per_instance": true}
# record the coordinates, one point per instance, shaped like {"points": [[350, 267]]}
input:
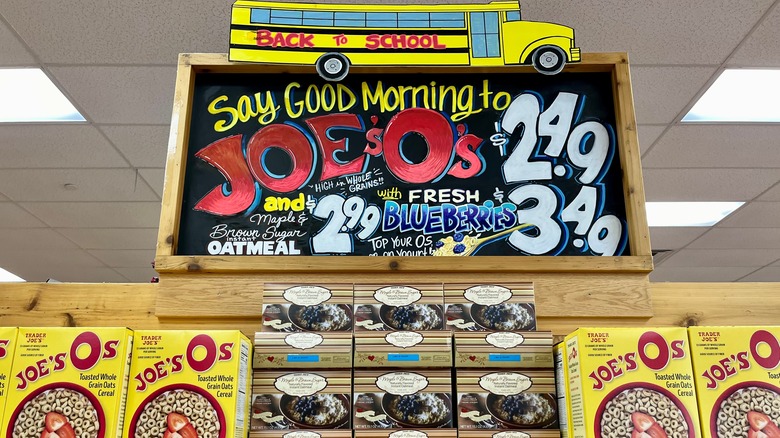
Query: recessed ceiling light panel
{"points": [[28, 95], [688, 214], [7, 277], [740, 95]]}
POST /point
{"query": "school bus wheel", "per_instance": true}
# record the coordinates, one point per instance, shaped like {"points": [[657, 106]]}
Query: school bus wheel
{"points": [[332, 66], [549, 60]]}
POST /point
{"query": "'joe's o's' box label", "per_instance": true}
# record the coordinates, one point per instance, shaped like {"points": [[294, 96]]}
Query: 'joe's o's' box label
{"points": [[631, 382], [737, 371], [7, 346], [190, 383], [68, 382]]}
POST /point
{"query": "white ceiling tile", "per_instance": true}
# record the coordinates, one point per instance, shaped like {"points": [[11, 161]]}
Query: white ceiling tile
{"points": [[773, 194], [757, 50], [112, 238], [707, 184], [754, 214], [702, 258], [768, 274], [672, 273], [13, 216], [143, 145], [661, 93], [125, 258], [12, 51], [55, 145], [662, 238], [121, 94], [155, 178], [127, 32], [138, 275], [739, 238], [65, 273], [648, 134], [92, 185], [21, 239], [97, 214], [717, 145], [776, 264], [74, 258], [654, 32]]}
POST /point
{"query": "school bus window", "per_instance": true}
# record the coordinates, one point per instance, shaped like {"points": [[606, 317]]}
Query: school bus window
{"points": [[512, 15], [261, 16], [413, 19], [286, 17], [382, 19], [318, 18], [351, 19], [484, 34], [446, 19]]}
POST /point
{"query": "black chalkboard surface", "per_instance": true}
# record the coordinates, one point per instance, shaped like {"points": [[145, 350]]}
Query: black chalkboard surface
{"points": [[403, 165]]}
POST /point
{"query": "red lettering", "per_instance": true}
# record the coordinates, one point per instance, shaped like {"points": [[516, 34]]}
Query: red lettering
{"points": [[372, 41], [412, 42], [652, 338], [437, 45], [630, 359], [771, 361], [470, 163], [278, 40], [290, 40], [206, 342], [59, 361], [266, 38], [91, 340], [226, 351], [306, 40], [436, 132], [425, 41], [227, 157], [678, 349], [320, 126], [3, 344], [599, 383], [742, 358], [157, 371], [109, 349], [291, 141]]}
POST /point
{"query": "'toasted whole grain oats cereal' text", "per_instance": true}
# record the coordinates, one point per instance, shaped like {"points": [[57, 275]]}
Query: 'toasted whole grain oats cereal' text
{"points": [[68, 383], [631, 382], [737, 380], [188, 384], [416, 307], [7, 346]]}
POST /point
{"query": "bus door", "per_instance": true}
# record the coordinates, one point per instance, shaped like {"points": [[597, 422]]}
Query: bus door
{"points": [[485, 38]]}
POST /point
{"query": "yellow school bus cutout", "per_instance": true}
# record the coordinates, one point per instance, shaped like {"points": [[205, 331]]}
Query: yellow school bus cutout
{"points": [[334, 36]]}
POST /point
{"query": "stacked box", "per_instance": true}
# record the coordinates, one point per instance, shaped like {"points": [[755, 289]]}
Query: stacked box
{"points": [[507, 400], [508, 434], [188, 382], [402, 349], [303, 350], [630, 382], [307, 308], [503, 350], [402, 399], [68, 382], [490, 307], [406, 433], [417, 307], [301, 400], [561, 379], [7, 347], [737, 380]]}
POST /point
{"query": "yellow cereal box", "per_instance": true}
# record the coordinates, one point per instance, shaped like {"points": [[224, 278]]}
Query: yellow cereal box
{"points": [[737, 373], [7, 346], [631, 382], [67, 383], [188, 384]]}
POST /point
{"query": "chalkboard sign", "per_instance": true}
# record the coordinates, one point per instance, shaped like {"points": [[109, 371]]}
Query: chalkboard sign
{"points": [[422, 164]]}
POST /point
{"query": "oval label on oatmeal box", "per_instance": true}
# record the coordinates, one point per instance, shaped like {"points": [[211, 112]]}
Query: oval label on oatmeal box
{"points": [[505, 340], [302, 434], [505, 383], [307, 295], [397, 295], [511, 434], [300, 384], [303, 341], [404, 339], [408, 434], [402, 383], [487, 294]]}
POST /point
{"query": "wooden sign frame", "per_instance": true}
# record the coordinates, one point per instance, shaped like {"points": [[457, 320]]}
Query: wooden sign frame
{"points": [[190, 65]]}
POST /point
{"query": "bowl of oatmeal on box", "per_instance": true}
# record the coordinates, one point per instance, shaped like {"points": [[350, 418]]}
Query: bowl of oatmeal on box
{"points": [[504, 317], [425, 410], [317, 411], [321, 317]]}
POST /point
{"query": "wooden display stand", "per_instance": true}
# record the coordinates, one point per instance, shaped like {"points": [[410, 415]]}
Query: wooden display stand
{"points": [[220, 292]]}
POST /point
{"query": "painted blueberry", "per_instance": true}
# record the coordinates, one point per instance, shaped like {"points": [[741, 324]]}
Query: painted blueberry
{"points": [[438, 244], [458, 237], [459, 248]]}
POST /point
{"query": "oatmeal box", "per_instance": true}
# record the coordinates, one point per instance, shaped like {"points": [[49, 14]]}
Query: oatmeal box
{"points": [[188, 384], [302, 400], [528, 433], [403, 399], [489, 399], [301, 350], [406, 433], [307, 308], [68, 382], [631, 382], [737, 372], [489, 307], [503, 350], [7, 347], [286, 433], [416, 307], [403, 349]]}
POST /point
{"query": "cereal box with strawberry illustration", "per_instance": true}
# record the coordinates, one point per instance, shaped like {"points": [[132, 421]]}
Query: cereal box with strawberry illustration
{"points": [[631, 382], [737, 371], [68, 383], [7, 346], [189, 384]]}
